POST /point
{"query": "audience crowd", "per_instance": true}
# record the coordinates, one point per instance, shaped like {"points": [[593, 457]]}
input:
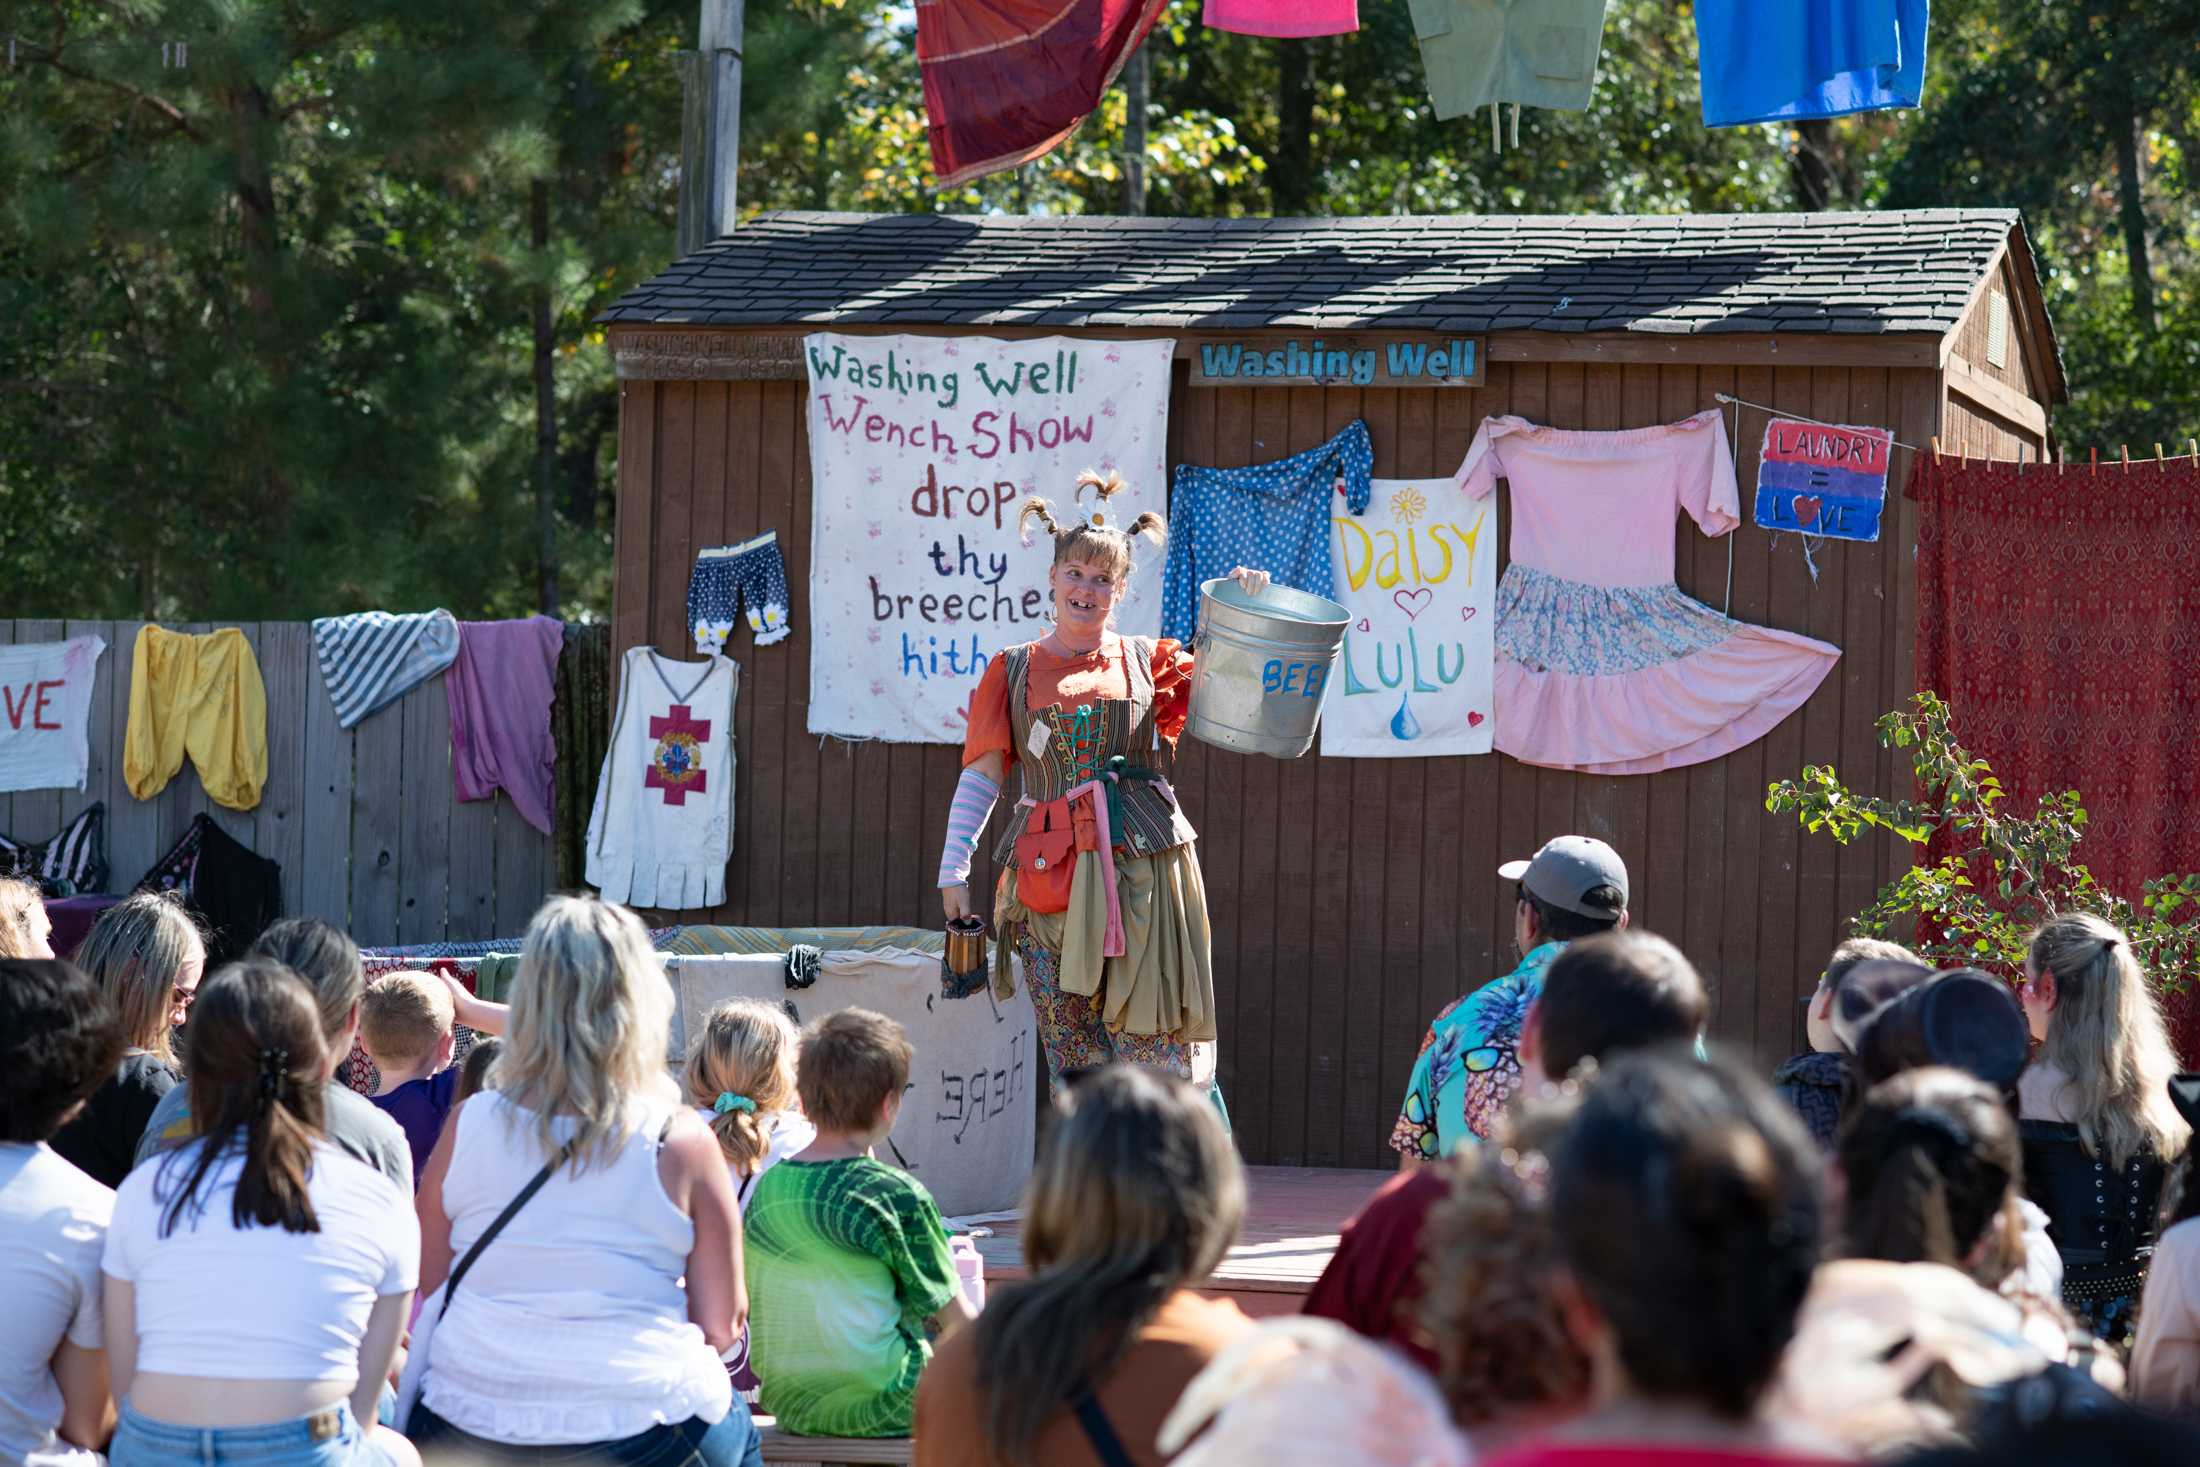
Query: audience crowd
{"points": [[1963, 1226]]}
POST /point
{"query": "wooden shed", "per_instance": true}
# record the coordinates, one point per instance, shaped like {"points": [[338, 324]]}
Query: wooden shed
{"points": [[1352, 898]]}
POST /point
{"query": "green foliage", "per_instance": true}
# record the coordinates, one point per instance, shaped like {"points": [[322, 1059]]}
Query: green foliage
{"points": [[269, 312], [2028, 863]]}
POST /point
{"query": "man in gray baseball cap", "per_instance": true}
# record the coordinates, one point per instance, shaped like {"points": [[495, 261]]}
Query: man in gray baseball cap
{"points": [[1575, 886]]}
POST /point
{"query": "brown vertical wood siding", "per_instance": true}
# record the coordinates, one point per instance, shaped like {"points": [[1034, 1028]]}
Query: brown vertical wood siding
{"points": [[1351, 898]]}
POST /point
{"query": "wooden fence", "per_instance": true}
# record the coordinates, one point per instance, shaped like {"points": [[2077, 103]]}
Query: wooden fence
{"points": [[362, 821]]}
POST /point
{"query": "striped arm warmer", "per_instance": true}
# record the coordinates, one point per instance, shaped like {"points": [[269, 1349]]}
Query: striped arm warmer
{"points": [[974, 797]]}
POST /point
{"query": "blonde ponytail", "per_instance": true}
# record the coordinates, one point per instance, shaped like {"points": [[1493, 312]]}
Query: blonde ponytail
{"points": [[746, 1053]]}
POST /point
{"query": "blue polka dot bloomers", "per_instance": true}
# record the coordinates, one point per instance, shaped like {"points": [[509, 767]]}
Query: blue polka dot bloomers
{"points": [[1272, 517], [729, 579]]}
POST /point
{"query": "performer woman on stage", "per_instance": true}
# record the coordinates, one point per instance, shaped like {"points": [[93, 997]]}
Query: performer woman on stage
{"points": [[1100, 891]]}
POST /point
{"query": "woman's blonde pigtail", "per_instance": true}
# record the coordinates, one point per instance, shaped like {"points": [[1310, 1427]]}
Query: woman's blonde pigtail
{"points": [[1103, 486], [1151, 525], [1038, 509]]}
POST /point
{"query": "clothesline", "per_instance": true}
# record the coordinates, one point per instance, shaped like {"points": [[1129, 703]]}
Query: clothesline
{"points": [[1797, 417]]}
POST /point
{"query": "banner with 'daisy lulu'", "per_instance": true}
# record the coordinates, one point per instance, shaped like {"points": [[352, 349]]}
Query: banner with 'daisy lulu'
{"points": [[921, 448], [1418, 573]]}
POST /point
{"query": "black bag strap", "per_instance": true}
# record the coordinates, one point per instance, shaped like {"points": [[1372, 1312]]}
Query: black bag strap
{"points": [[510, 1209], [1100, 1431]]}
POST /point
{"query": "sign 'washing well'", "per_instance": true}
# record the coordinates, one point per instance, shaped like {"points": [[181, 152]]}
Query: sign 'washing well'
{"points": [[1337, 361]]}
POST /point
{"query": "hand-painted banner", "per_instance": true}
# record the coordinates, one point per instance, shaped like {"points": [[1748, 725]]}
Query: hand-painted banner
{"points": [[45, 713], [1418, 572], [920, 449], [1820, 480]]}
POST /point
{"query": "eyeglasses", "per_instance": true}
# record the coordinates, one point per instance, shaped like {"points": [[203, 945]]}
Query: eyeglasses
{"points": [[182, 997]]}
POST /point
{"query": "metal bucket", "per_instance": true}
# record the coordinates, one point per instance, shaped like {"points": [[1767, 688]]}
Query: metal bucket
{"points": [[1263, 668]]}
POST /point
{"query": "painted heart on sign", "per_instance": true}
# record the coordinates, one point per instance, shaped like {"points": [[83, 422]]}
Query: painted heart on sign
{"points": [[1365, 626], [1474, 719], [1413, 602], [1466, 613], [1806, 508]]}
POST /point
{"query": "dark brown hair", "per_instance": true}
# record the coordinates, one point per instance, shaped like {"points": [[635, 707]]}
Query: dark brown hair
{"points": [[60, 1038], [257, 1062], [1933, 1162], [1618, 990], [1556, 924], [1686, 1202], [849, 1063], [1137, 1193], [473, 1071]]}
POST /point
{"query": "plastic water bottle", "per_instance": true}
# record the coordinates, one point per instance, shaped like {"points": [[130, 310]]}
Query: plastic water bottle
{"points": [[970, 1268]]}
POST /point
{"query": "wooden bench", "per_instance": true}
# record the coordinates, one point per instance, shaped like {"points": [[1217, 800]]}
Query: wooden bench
{"points": [[785, 1449]]}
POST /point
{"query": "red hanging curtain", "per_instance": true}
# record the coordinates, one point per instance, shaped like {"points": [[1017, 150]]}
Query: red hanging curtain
{"points": [[1005, 81], [2058, 612]]}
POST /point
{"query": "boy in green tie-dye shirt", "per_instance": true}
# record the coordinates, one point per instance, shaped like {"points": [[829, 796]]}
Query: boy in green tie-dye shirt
{"points": [[846, 1260]]}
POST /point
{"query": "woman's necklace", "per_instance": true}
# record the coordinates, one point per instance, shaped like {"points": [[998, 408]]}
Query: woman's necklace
{"points": [[1063, 649]]}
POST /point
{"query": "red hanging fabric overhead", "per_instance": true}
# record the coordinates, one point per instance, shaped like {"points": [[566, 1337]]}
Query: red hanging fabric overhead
{"points": [[1005, 81], [2058, 612]]}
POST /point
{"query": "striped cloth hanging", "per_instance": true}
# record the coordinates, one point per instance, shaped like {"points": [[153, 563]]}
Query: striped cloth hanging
{"points": [[370, 659]]}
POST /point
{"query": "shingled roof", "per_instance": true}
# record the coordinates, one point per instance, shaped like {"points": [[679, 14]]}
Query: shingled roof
{"points": [[1864, 273]]}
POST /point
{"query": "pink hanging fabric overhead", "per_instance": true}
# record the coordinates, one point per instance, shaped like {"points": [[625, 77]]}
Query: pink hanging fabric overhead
{"points": [[1005, 81], [1287, 19]]}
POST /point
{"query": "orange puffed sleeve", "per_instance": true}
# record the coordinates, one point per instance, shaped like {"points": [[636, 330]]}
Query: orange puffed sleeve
{"points": [[1172, 689], [989, 727]]}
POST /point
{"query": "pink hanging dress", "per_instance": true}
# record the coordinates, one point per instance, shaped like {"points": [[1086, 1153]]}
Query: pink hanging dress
{"points": [[1287, 19], [1602, 664]]}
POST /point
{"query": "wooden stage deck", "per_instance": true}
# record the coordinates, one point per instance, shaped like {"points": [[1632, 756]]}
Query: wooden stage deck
{"points": [[1291, 1224]]}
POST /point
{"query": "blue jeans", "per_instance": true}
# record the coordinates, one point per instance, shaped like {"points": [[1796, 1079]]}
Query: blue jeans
{"points": [[733, 1442], [331, 1438]]}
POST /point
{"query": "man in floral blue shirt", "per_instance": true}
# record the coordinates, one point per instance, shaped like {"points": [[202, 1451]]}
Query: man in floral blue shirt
{"points": [[1576, 886]]}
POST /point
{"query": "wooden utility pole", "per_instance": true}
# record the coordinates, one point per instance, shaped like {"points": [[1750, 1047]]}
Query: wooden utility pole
{"points": [[1136, 83], [712, 175]]}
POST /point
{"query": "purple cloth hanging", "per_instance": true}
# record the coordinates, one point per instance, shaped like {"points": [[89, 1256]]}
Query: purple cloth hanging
{"points": [[500, 689]]}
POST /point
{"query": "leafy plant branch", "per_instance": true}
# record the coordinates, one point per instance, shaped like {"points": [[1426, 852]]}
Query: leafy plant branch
{"points": [[1999, 874]]}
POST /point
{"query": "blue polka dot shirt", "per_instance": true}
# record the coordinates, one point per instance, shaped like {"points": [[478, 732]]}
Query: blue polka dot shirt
{"points": [[1272, 517]]}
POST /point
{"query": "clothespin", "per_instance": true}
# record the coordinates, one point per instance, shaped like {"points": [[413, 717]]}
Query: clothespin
{"points": [[2157, 453], [2192, 449], [2127, 457], [1936, 448], [2062, 460], [2096, 461]]}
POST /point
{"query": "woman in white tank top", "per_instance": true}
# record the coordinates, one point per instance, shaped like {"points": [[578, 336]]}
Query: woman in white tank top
{"points": [[573, 1330]]}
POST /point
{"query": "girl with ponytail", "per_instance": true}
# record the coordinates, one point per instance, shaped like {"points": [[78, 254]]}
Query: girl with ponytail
{"points": [[740, 1079], [1934, 1173], [1100, 895], [257, 1279]]}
